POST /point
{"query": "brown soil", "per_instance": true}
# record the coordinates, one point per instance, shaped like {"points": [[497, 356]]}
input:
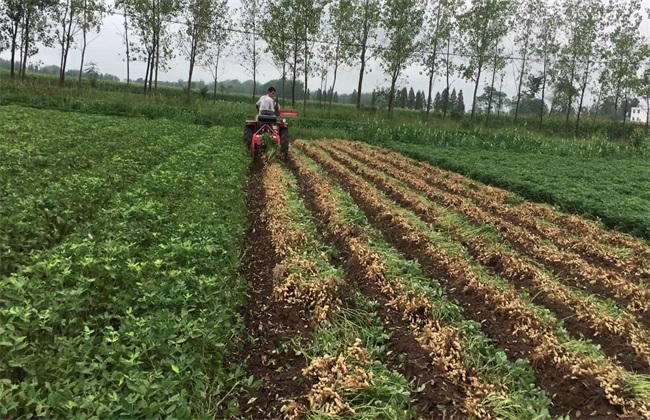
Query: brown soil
{"points": [[570, 276], [633, 266], [416, 363], [616, 347], [569, 394], [269, 322]]}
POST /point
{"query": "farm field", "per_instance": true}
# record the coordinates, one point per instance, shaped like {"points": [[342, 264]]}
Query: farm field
{"points": [[148, 269], [121, 241], [610, 187], [593, 176], [476, 302]]}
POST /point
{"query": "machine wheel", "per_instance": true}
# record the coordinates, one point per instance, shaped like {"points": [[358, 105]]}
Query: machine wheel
{"points": [[248, 136], [284, 143]]}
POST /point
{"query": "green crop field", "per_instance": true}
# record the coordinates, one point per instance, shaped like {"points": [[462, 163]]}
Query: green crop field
{"points": [[397, 270], [120, 245]]}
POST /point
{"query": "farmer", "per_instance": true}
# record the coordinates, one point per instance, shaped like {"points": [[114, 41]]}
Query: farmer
{"points": [[266, 105]]}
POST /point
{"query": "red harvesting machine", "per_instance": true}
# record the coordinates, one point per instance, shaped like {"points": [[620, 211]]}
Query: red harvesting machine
{"points": [[276, 126]]}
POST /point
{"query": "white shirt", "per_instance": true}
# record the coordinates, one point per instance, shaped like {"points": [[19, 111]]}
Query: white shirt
{"points": [[266, 103]]}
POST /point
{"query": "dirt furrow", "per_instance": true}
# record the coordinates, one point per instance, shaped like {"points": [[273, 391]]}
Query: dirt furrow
{"points": [[576, 381], [619, 337], [569, 231], [365, 272], [270, 322], [569, 267]]}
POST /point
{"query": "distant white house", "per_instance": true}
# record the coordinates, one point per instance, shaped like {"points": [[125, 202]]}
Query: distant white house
{"points": [[638, 114]]}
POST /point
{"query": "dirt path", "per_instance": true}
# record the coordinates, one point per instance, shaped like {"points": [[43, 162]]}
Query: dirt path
{"points": [[270, 323]]}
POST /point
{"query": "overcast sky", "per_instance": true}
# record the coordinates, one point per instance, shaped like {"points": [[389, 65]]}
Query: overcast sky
{"points": [[107, 51]]}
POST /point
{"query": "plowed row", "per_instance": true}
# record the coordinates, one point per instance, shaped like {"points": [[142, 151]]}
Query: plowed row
{"points": [[494, 307]]}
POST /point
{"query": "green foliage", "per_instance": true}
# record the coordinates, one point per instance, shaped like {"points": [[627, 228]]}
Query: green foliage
{"points": [[60, 169], [401, 21], [133, 315], [270, 146], [610, 187]]}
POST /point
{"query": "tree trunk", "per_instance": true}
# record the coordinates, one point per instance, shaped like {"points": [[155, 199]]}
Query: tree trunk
{"points": [[66, 47], [582, 98], [541, 109], [500, 103], [14, 37], [21, 50], [597, 104], [429, 96], [216, 75], [361, 72], [647, 117], [192, 60], [617, 97], [391, 96], [146, 74], [295, 65], [26, 42], [444, 114], [494, 75], [570, 101], [336, 68], [151, 69], [478, 80], [254, 66], [157, 61], [85, 40], [284, 80], [83, 55], [433, 62], [62, 43], [128, 55], [304, 99], [521, 80]]}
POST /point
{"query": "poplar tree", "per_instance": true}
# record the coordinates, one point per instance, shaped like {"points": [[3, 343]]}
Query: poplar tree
{"points": [[401, 23], [276, 32], [220, 40], [249, 46], [341, 50], [91, 17], [546, 48], [195, 37], [624, 51], [365, 21], [525, 26], [483, 26]]}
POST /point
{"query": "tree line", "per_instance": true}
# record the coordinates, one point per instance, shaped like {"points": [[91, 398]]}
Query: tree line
{"points": [[562, 51]]}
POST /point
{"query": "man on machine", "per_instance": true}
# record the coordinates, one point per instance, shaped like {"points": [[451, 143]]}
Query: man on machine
{"points": [[266, 105]]}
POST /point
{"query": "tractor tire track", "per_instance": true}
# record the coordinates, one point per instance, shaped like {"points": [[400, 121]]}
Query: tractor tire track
{"points": [[269, 322]]}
